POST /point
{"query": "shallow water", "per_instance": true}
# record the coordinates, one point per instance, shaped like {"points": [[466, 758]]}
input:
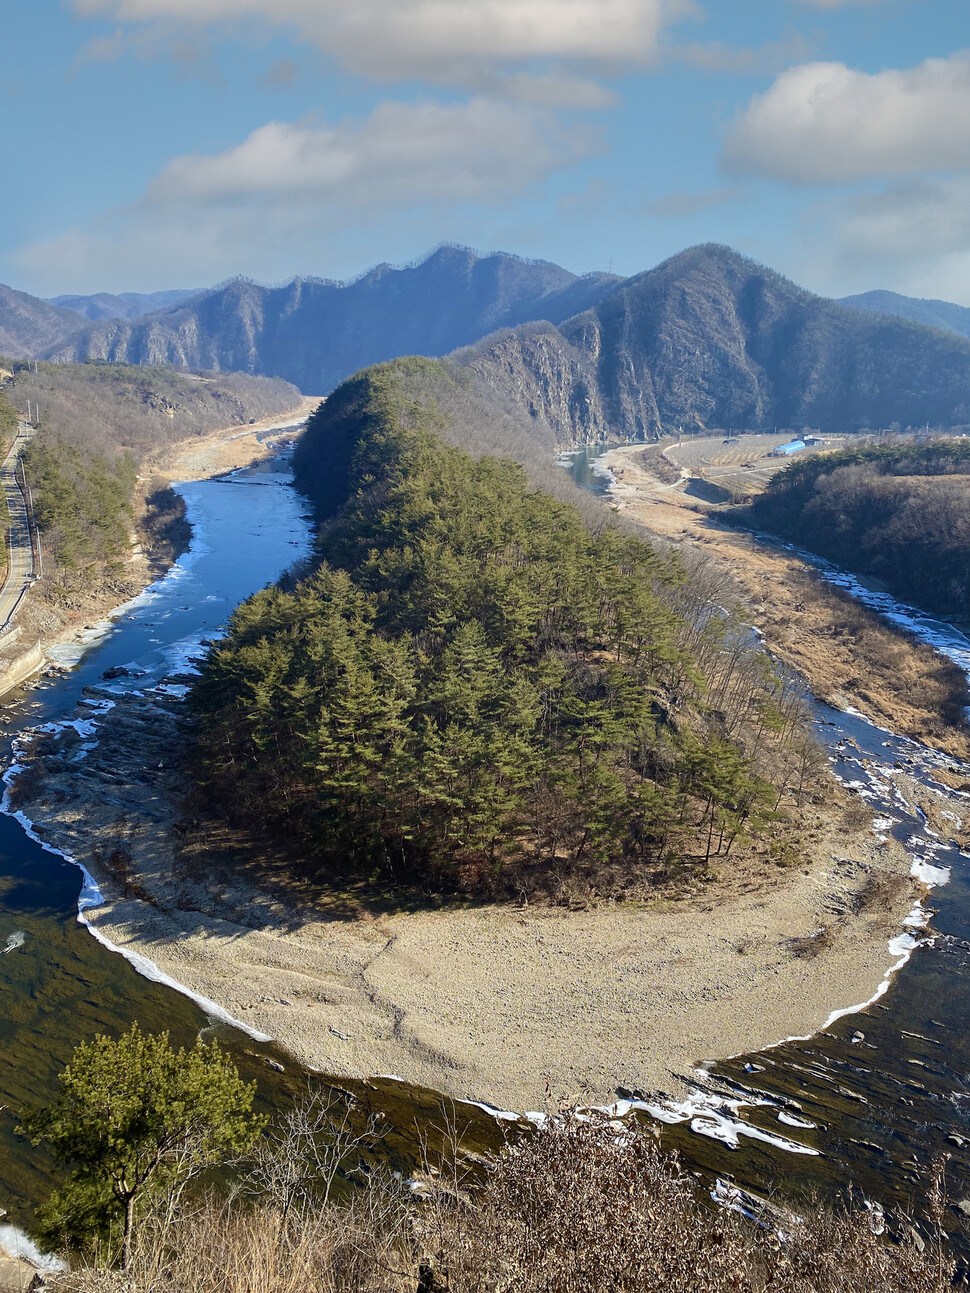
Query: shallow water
{"points": [[582, 466], [58, 985], [880, 1096], [884, 1091], [880, 1107]]}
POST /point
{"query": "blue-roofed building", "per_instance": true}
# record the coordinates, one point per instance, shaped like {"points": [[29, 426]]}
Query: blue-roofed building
{"points": [[784, 450]]}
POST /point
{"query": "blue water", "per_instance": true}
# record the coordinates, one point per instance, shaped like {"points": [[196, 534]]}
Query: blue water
{"points": [[59, 986], [880, 1096]]}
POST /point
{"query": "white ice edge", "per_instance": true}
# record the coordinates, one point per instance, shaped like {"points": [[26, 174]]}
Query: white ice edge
{"points": [[711, 1115], [91, 896], [16, 1243], [699, 1106], [71, 653]]}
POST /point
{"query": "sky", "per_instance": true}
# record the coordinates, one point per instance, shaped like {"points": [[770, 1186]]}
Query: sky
{"points": [[153, 144]]}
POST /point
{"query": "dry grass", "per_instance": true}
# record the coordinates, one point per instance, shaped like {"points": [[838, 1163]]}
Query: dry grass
{"points": [[575, 1209], [883, 891], [654, 460], [845, 652]]}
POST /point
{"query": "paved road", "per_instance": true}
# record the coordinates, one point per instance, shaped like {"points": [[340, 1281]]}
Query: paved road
{"points": [[22, 571]]}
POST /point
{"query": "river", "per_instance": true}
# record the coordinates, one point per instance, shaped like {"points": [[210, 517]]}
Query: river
{"points": [[881, 1095], [872, 1099], [58, 985]]}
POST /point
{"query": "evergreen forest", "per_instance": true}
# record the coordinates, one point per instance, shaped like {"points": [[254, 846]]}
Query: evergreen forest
{"points": [[471, 689], [899, 510]]}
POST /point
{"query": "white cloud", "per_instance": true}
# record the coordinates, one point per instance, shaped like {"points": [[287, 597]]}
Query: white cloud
{"points": [[825, 123], [919, 221], [402, 154], [910, 236], [444, 41], [275, 203]]}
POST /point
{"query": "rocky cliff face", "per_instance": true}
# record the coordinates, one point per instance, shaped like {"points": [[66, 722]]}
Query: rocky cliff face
{"points": [[710, 339], [316, 333]]}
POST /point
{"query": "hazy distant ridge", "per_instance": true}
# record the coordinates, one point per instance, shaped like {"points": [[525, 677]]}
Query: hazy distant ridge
{"points": [[935, 314], [315, 333], [127, 305]]}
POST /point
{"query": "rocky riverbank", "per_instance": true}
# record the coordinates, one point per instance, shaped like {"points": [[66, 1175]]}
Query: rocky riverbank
{"points": [[847, 654], [45, 622], [523, 1007]]}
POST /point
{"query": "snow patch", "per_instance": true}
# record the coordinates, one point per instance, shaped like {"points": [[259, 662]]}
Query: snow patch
{"points": [[14, 1242]]}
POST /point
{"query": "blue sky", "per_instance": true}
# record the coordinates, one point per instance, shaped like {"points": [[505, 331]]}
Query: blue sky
{"points": [[173, 143]]}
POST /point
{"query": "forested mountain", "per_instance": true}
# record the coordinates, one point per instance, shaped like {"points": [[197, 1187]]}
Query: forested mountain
{"points": [[707, 339], [900, 511], [711, 339], [29, 325], [315, 333], [472, 690], [934, 314], [127, 305]]}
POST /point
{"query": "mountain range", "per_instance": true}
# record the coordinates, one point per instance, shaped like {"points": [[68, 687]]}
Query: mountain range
{"points": [[314, 333], [712, 339], [128, 305], [29, 325], [706, 339]]}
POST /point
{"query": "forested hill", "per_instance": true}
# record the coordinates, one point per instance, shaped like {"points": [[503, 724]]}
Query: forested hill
{"points": [[98, 425], [28, 325], [471, 690], [712, 339], [464, 413], [315, 333], [900, 512]]}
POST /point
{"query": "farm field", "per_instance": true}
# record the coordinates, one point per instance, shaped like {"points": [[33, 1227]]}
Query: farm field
{"points": [[742, 467]]}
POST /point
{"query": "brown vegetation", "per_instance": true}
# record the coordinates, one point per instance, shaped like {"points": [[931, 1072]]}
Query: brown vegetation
{"points": [[573, 1209], [846, 653], [654, 460], [899, 511]]}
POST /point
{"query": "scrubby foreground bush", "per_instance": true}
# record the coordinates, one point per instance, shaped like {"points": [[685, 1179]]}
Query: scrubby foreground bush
{"points": [[575, 1209]]}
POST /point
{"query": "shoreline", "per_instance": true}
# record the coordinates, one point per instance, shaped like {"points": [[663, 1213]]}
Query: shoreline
{"points": [[517, 1008], [201, 458], [31, 645], [850, 652]]}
